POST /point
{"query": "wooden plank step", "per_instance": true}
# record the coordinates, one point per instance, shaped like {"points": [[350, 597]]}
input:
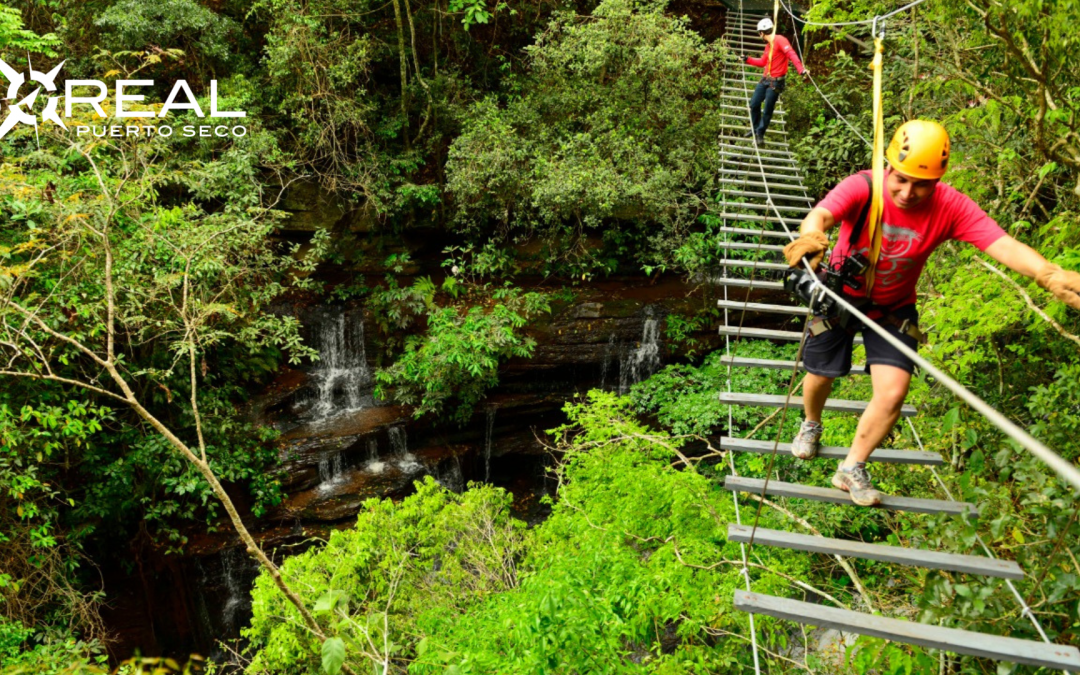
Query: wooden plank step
{"points": [[742, 362], [757, 284], [759, 307], [769, 133], [750, 218], [999, 648], [913, 557], [764, 207], [754, 263], [771, 146], [765, 195], [778, 400], [728, 145], [772, 185], [742, 246], [832, 496], [769, 162], [881, 455], [743, 140], [731, 174], [777, 114], [760, 333], [775, 234], [755, 170], [770, 334]]}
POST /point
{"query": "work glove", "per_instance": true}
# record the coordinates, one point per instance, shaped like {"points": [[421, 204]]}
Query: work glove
{"points": [[1064, 284], [811, 245]]}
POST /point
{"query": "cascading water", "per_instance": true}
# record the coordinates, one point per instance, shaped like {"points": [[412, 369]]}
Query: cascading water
{"points": [[399, 445], [342, 377], [237, 569], [488, 439], [331, 471], [451, 477], [640, 363], [605, 365], [399, 442]]}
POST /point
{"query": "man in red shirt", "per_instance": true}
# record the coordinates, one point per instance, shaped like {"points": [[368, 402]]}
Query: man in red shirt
{"points": [[774, 60], [919, 213]]}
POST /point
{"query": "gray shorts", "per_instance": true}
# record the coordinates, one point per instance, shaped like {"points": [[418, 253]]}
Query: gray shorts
{"points": [[829, 354]]}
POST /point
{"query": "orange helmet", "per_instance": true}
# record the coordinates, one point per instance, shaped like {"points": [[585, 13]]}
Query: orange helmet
{"points": [[920, 149]]}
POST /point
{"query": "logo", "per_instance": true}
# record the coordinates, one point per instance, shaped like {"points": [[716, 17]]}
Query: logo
{"points": [[16, 113], [21, 112]]}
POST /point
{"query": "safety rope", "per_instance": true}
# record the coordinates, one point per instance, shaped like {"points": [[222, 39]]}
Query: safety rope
{"points": [[863, 22], [873, 220], [809, 75]]}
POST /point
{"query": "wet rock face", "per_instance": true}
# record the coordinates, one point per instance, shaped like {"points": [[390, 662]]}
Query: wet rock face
{"points": [[339, 445]]}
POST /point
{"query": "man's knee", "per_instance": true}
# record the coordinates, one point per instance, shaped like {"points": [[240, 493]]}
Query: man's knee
{"points": [[891, 395]]}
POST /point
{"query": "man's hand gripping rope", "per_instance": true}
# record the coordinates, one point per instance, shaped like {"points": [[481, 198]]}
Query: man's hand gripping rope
{"points": [[1064, 284], [811, 245]]}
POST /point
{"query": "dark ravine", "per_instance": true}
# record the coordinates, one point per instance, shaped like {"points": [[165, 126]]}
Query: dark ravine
{"points": [[339, 446]]}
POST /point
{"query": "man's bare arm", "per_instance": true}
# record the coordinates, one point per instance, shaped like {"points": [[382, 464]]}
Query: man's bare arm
{"points": [[818, 220], [1017, 256]]}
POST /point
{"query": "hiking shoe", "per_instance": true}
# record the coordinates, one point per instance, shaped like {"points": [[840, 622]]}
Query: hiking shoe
{"points": [[759, 139], [857, 483], [808, 441]]}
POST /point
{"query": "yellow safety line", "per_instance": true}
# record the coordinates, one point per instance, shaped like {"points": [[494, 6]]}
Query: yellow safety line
{"points": [[873, 220]]}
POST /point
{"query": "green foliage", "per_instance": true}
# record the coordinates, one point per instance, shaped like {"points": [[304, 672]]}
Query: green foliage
{"points": [[16, 40], [630, 574], [458, 356], [22, 652], [404, 567], [614, 124], [203, 35]]}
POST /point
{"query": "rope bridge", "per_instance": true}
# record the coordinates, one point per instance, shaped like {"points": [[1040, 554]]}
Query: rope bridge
{"points": [[764, 199]]}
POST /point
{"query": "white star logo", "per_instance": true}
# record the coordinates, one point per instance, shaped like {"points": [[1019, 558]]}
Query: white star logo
{"points": [[17, 113]]}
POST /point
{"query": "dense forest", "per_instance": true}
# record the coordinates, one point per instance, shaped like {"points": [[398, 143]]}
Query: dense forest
{"points": [[397, 351]]}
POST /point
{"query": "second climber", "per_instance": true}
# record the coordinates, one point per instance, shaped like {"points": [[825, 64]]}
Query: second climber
{"points": [[774, 60]]}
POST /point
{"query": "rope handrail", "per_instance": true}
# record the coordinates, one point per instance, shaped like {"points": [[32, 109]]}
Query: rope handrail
{"points": [[862, 22]]}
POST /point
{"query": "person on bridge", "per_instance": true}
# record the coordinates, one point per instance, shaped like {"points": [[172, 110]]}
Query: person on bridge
{"points": [[919, 212], [774, 61]]}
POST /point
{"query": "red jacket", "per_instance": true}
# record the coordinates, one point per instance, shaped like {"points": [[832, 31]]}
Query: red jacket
{"points": [[780, 58]]}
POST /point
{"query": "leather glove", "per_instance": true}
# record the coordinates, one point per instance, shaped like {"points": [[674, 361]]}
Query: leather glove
{"points": [[811, 245], [1064, 284]]}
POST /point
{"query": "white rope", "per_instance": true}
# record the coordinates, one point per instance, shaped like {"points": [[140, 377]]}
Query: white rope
{"points": [[863, 22], [802, 55], [1025, 610]]}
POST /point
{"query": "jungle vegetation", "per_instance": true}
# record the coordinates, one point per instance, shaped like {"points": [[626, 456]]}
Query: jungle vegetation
{"points": [[549, 139]]}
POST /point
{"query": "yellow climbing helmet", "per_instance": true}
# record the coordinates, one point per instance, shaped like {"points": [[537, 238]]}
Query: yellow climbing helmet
{"points": [[920, 149]]}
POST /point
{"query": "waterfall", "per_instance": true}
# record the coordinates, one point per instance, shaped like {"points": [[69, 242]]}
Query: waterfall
{"points": [[399, 442], [342, 377], [487, 443], [451, 478], [605, 365], [236, 568], [331, 471], [399, 445], [373, 450], [640, 363]]}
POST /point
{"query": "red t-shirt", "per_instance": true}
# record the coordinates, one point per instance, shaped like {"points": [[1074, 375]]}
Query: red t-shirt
{"points": [[909, 235], [782, 52]]}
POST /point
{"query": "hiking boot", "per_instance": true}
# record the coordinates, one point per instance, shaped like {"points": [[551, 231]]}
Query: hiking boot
{"points": [[808, 441], [857, 483], [759, 139]]}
